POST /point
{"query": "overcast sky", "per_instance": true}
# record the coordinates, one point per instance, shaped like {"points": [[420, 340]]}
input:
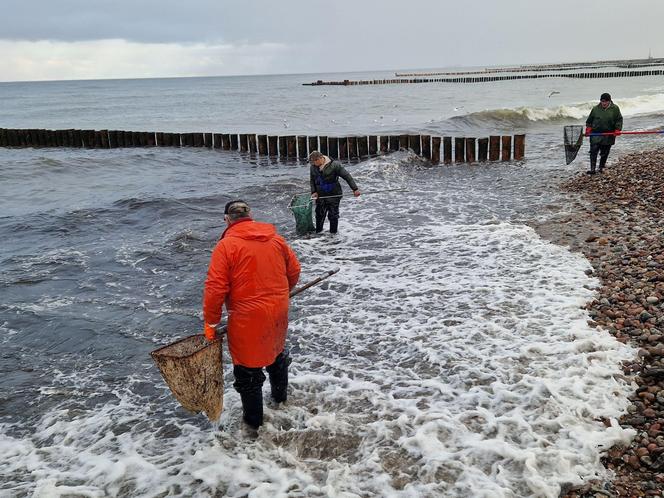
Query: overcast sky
{"points": [[88, 39]]}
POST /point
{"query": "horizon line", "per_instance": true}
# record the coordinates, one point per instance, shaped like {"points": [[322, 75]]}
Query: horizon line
{"points": [[395, 70]]}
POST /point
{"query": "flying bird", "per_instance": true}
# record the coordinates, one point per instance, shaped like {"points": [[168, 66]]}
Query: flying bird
{"points": [[554, 92]]}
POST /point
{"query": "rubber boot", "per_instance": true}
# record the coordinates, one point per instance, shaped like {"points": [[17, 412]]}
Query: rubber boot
{"points": [[319, 224], [278, 374], [593, 165], [602, 162], [334, 225], [321, 214], [252, 408], [249, 384]]}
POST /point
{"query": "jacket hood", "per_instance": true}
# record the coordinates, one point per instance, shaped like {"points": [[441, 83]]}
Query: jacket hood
{"points": [[250, 230]]}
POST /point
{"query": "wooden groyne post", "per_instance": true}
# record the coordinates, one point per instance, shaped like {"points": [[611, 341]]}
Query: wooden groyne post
{"points": [[519, 147]]}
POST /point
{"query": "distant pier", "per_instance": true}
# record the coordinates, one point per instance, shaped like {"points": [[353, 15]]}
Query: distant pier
{"points": [[569, 66], [485, 79]]}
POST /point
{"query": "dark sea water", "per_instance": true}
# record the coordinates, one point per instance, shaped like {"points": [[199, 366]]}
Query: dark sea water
{"points": [[450, 356]]}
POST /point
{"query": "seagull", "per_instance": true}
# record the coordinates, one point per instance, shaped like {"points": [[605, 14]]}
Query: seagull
{"points": [[458, 108], [553, 93]]}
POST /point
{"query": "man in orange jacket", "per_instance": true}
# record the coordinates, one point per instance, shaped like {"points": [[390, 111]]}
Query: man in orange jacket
{"points": [[252, 271]]}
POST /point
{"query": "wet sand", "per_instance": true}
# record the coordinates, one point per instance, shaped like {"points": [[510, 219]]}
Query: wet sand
{"points": [[618, 224]]}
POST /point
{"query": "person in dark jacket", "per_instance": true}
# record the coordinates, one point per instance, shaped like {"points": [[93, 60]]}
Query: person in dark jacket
{"points": [[604, 117], [326, 190]]}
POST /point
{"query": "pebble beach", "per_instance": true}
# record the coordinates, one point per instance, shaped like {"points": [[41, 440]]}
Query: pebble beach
{"points": [[617, 225]]}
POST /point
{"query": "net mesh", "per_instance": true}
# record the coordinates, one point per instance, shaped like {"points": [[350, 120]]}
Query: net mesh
{"points": [[193, 369], [302, 207], [573, 139]]}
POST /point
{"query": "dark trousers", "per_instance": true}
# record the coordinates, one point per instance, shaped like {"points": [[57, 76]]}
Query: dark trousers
{"points": [[603, 151], [329, 208], [249, 383]]}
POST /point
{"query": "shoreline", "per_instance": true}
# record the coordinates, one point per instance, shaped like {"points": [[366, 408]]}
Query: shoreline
{"points": [[616, 222]]}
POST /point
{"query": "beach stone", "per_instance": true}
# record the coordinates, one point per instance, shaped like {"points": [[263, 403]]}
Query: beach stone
{"points": [[652, 299], [616, 453], [634, 461], [634, 421]]}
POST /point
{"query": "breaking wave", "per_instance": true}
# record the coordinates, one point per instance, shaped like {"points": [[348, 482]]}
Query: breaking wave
{"points": [[523, 116]]}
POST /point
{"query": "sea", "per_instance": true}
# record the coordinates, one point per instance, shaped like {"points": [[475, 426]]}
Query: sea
{"points": [[450, 356]]}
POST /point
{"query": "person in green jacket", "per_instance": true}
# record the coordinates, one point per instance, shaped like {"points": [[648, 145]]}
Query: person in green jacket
{"points": [[326, 190], [604, 117]]}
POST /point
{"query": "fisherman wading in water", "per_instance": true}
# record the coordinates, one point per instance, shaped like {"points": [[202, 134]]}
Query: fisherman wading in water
{"points": [[326, 189], [251, 272]]}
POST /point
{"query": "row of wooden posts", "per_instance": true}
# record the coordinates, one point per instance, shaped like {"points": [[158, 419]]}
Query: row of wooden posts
{"points": [[483, 79], [459, 149], [542, 67]]}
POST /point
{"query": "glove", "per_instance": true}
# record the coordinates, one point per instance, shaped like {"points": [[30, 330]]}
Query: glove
{"points": [[589, 130], [618, 132], [210, 332], [356, 193]]}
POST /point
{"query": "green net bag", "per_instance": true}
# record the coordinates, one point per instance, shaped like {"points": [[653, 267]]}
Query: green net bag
{"points": [[302, 207], [573, 135]]}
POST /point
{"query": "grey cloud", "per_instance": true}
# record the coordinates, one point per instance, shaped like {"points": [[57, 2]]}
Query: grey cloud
{"points": [[359, 34], [154, 21]]}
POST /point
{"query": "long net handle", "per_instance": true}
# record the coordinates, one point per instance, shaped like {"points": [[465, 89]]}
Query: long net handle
{"points": [[613, 133], [290, 206], [304, 287]]}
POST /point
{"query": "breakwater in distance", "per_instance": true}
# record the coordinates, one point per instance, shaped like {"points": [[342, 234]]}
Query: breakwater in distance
{"points": [[525, 68], [436, 149], [486, 79]]}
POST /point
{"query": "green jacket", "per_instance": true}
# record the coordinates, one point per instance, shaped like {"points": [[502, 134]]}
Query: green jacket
{"points": [[602, 120], [325, 182]]}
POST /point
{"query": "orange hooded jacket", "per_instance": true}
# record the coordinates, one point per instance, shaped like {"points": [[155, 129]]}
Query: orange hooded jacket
{"points": [[252, 270]]}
